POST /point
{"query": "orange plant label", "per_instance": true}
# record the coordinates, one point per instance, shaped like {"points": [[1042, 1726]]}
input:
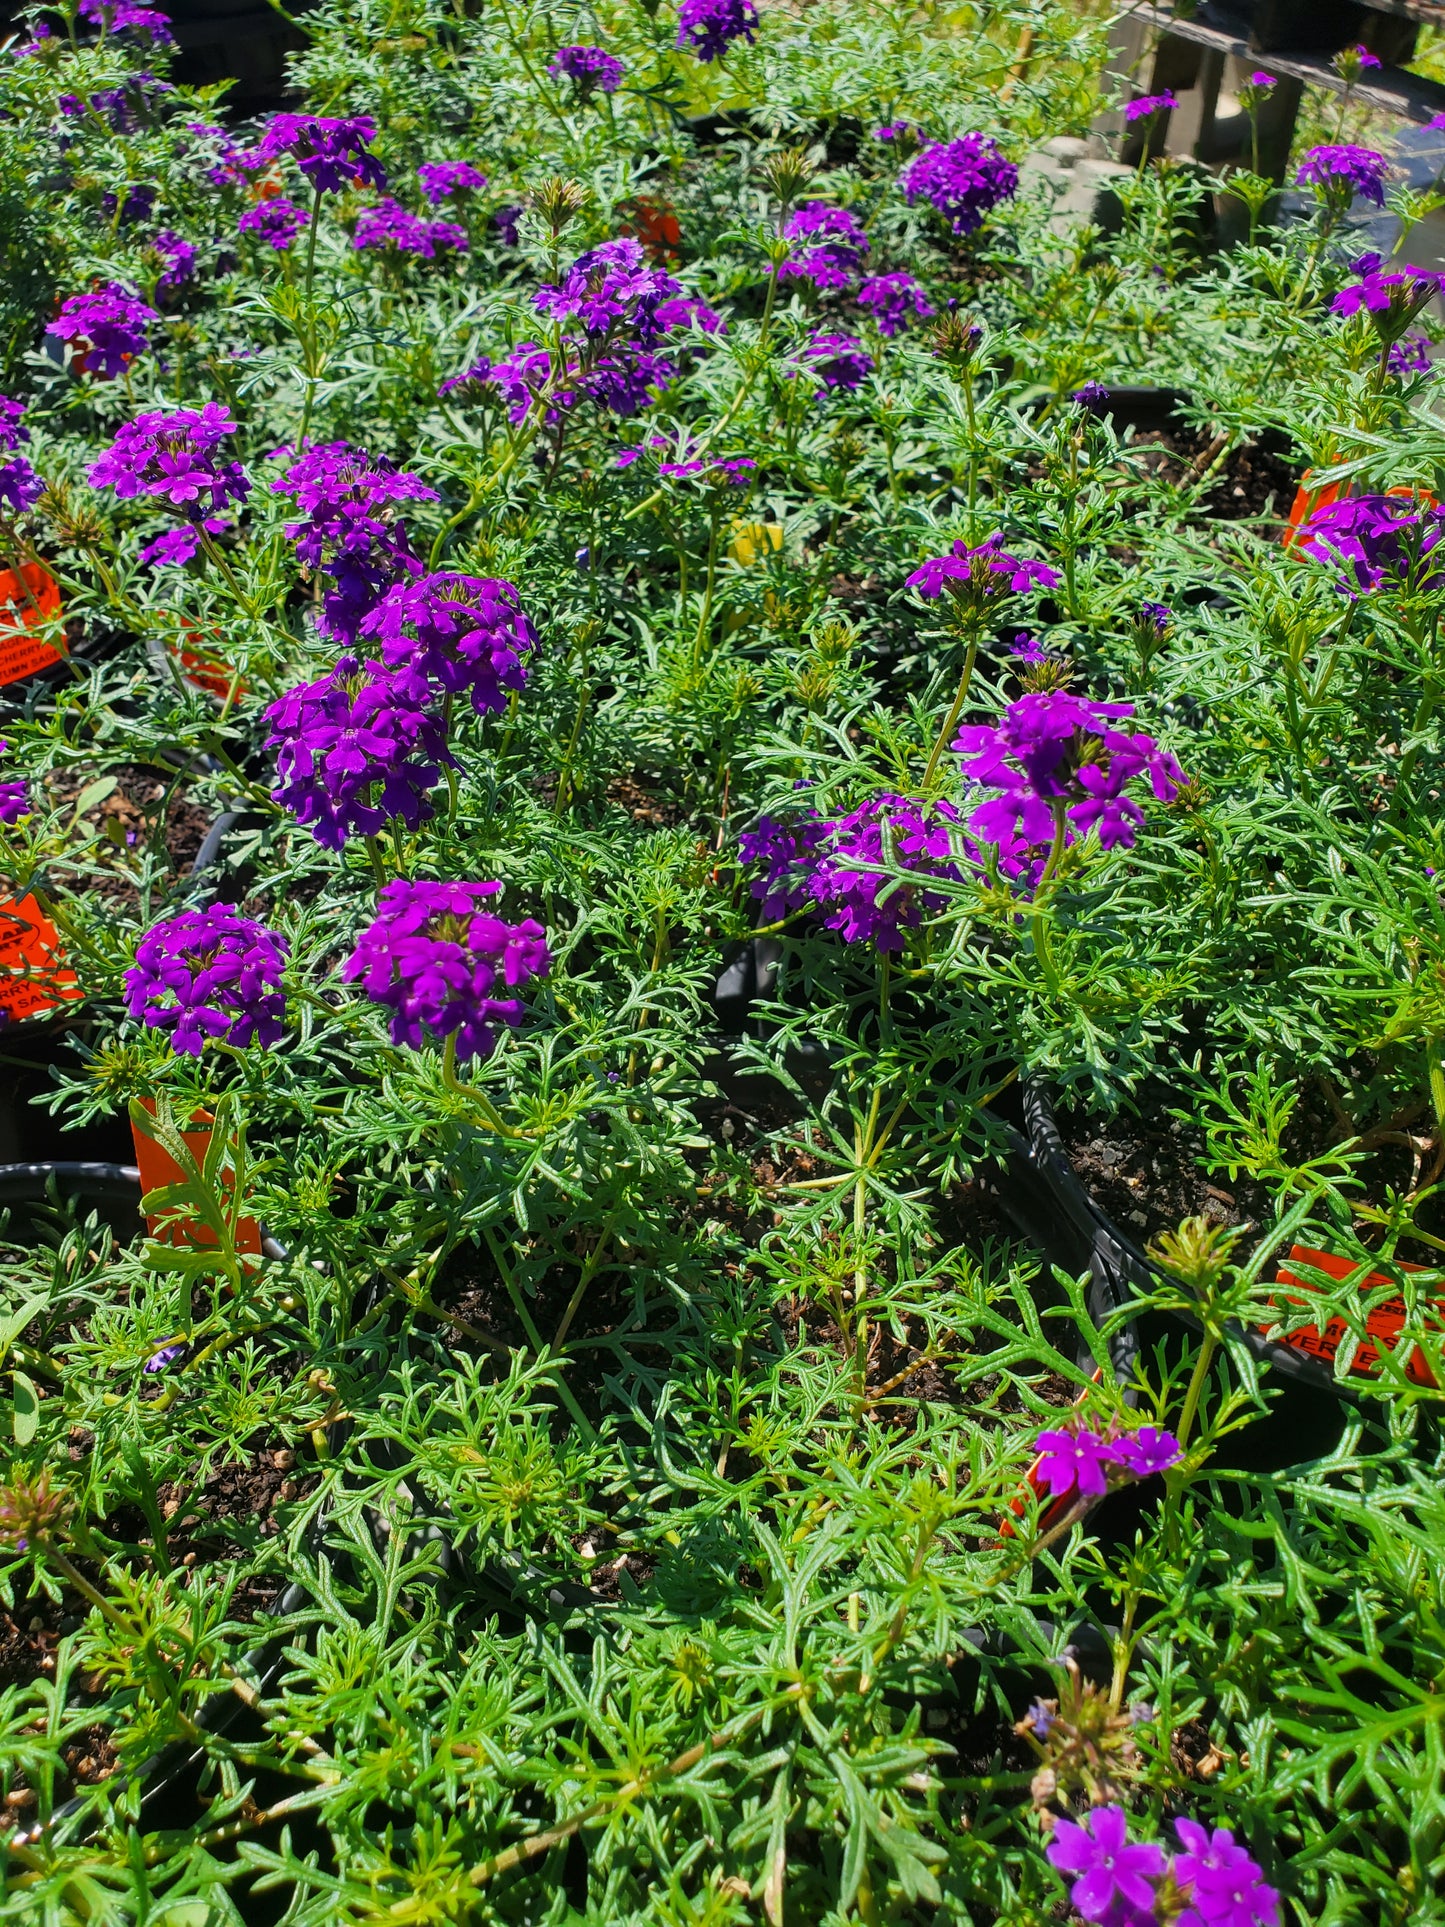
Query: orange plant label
{"points": [[157, 1168], [655, 224], [203, 668], [26, 600], [1382, 1326], [32, 974]]}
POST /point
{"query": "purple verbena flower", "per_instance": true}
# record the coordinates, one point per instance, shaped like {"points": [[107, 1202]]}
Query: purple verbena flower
{"points": [[964, 179], [1110, 1872], [122, 16], [441, 179], [1356, 60], [1224, 1884], [685, 311], [105, 330], [1155, 616], [1061, 767], [899, 130], [1093, 396], [20, 487], [606, 291], [332, 154], [1391, 301], [789, 850], [709, 27], [894, 301], [468, 635], [1377, 538], [836, 245], [158, 1361], [390, 225], [207, 976], [179, 257], [519, 382], [1147, 1451], [355, 752], [1259, 83], [137, 205], [628, 381], [1410, 356], [350, 530], [505, 221], [981, 575], [590, 69], [1148, 105], [441, 963], [277, 222], [838, 361], [1073, 1462], [14, 797], [1338, 174], [856, 895], [172, 455]]}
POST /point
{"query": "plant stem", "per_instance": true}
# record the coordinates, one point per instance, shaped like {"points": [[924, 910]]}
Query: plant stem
{"points": [[941, 743]]}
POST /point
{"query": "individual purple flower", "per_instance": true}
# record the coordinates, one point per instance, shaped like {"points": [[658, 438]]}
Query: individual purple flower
{"points": [[687, 311], [350, 529], [469, 635], [1338, 174], [1376, 538], [122, 16], [14, 797], [835, 245], [1156, 616], [174, 456], [105, 330], [838, 361], [137, 205], [355, 752], [1040, 1718], [709, 27], [607, 291], [520, 382], [1061, 767], [1258, 83], [895, 301], [332, 154], [1028, 649], [1093, 396], [590, 69], [277, 222], [390, 225], [1390, 300], [964, 179], [1147, 1451], [1147, 105], [1111, 1874], [1356, 60], [902, 131], [444, 965], [167, 1355], [209, 976], [441, 179], [20, 487], [179, 258], [1410, 356], [849, 884], [505, 221], [981, 575], [1223, 1882], [1073, 1462], [789, 849]]}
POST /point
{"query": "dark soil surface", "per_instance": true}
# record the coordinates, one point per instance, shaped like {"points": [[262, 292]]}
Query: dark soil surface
{"points": [[1255, 479], [146, 802]]}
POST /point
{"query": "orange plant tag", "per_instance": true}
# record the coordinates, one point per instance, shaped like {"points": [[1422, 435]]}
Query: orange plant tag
{"points": [[1383, 1325], [32, 977], [654, 224], [26, 600], [204, 669], [157, 1167]]}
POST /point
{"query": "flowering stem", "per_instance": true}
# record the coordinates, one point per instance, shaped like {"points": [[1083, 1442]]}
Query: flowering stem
{"points": [[1039, 922], [1196, 1388], [950, 720], [477, 1098], [706, 615], [378, 867], [310, 340]]}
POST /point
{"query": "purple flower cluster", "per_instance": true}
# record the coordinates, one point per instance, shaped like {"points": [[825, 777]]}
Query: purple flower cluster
{"points": [[209, 976], [1391, 299], [137, 205], [123, 16], [979, 576], [1061, 767], [895, 301], [179, 257], [839, 867], [1081, 1461], [1378, 538], [1410, 356], [1338, 174], [390, 225], [1115, 1881], [1148, 105], [835, 245], [838, 361], [733, 472], [710, 27], [441, 179], [355, 751], [505, 221], [277, 222], [607, 291], [517, 381], [590, 69], [469, 635], [174, 456], [350, 530], [105, 330], [20, 487], [332, 154], [12, 423], [437, 960], [14, 797], [964, 179], [174, 546]]}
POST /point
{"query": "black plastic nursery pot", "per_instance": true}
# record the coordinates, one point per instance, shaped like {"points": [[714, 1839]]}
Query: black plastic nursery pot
{"points": [[29, 1194]]}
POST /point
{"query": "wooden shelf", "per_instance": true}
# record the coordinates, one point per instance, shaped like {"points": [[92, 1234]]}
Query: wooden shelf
{"points": [[1409, 95]]}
